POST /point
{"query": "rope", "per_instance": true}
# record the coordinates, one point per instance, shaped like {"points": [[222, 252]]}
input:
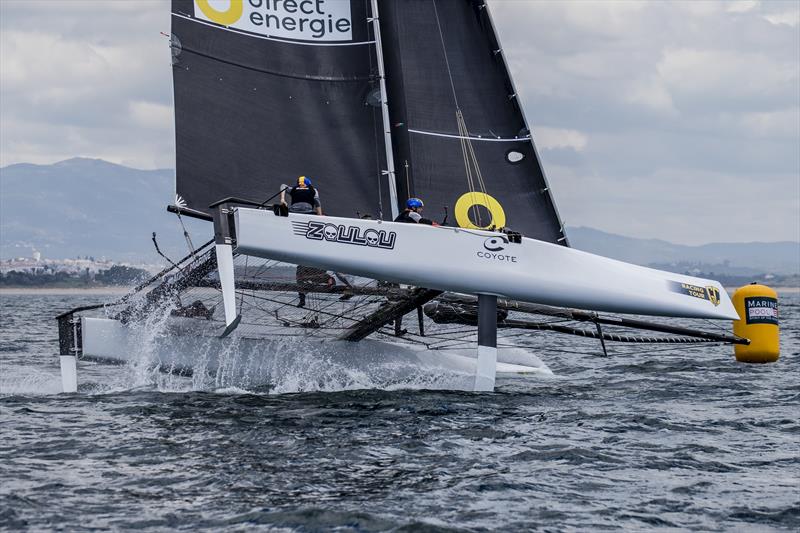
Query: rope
{"points": [[467, 150], [241, 293], [467, 166], [186, 235], [470, 163], [444, 51]]}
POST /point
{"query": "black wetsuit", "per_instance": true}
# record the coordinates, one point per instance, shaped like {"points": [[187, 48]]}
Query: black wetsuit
{"points": [[304, 199], [412, 217]]}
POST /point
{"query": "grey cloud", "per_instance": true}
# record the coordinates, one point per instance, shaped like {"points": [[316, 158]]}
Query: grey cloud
{"points": [[74, 77], [690, 110], [682, 109], [686, 203]]}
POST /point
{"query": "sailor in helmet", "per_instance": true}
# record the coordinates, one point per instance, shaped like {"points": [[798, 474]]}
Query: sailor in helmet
{"points": [[304, 197], [412, 213]]}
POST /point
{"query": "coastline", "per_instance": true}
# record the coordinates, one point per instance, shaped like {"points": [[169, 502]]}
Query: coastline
{"points": [[779, 290], [63, 291]]}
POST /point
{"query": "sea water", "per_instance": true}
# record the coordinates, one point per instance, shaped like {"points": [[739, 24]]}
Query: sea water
{"points": [[650, 438]]}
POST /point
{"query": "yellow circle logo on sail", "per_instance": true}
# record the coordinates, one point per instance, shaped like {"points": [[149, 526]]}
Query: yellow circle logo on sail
{"points": [[226, 18], [469, 200]]}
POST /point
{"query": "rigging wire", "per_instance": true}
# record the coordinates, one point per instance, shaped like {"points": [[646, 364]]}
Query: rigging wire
{"points": [[444, 51], [471, 166], [470, 163], [671, 348], [718, 327], [186, 234], [241, 293], [289, 304], [159, 252]]}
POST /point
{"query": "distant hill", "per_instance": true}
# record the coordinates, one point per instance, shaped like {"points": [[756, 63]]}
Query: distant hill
{"points": [[88, 207], [729, 258], [93, 207]]}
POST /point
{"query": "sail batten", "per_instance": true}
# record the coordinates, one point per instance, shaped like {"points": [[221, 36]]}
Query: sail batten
{"points": [[310, 77], [470, 137]]}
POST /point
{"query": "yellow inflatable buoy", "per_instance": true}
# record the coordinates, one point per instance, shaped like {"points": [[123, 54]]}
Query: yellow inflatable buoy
{"points": [[757, 306]]}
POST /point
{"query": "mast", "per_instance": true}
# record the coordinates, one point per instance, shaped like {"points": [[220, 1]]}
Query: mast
{"points": [[387, 131]]}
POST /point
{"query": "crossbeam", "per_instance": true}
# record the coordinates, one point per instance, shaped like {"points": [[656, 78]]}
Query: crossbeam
{"points": [[287, 286], [391, 310]]}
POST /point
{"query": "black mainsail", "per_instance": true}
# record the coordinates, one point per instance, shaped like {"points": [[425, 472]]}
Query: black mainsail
{"points": [[269, 91], [444, 62]]}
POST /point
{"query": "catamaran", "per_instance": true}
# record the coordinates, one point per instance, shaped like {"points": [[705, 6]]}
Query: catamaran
{"points": [[378, 101]]}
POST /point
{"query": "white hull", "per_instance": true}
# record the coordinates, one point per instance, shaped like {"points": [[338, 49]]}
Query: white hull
{"points": [[293, 364], [477, 262]]}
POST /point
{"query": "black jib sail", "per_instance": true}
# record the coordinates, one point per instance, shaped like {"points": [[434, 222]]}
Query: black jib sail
{"points": [[460, 137], [269, 90]]}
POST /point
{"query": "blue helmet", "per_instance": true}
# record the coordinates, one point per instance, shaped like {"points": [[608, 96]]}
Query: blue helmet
{"points": [[414, 203], [303, 181]]}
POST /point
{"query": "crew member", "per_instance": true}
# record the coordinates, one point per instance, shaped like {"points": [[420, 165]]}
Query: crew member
{"points": [[304, 197], [412, 213], [311, 279]]}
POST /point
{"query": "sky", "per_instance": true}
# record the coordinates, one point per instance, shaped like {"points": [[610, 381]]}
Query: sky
{"points": [[676, 120]]}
